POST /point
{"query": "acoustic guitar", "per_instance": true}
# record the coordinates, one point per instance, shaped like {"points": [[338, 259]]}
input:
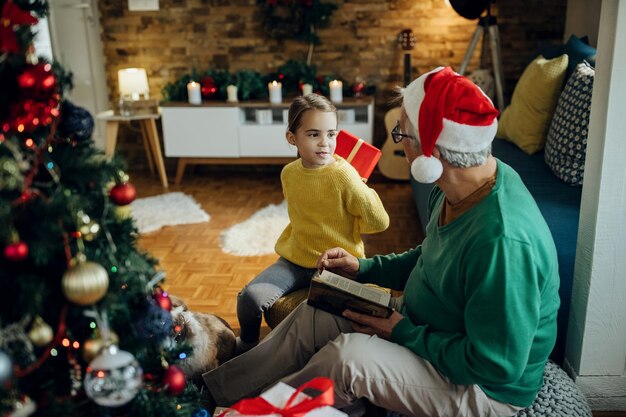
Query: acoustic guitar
{"points": [[393, 163]]}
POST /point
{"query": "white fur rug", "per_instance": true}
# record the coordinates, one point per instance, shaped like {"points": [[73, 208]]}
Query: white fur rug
{"points": [[152, 213], [258, 234]]}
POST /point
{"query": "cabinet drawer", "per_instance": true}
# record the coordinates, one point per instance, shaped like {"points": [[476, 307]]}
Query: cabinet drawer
{"points": [[200, 132], [264, 141]]}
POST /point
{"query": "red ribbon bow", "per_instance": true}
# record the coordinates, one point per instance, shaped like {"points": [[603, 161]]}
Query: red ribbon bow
{"points": [[259, 406]]}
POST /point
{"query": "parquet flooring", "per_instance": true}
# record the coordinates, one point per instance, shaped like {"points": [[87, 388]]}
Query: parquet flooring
{"points": [[207, 278]]}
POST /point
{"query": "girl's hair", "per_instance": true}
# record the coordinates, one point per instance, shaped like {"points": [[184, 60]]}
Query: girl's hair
{"points": [[303, 103]]}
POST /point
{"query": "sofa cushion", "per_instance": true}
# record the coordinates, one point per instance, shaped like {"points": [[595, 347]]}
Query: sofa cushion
{"points": [[577, 50], [566, 143], [525, 121]]}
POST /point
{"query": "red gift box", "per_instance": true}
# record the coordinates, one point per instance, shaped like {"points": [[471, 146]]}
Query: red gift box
{"points": [[360, 154]]}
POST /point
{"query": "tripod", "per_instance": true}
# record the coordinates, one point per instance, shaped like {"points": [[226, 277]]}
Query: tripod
{"points": [[488, 23]]}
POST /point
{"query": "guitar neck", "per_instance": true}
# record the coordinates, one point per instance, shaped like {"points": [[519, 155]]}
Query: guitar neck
{"points": [[407, 68]]}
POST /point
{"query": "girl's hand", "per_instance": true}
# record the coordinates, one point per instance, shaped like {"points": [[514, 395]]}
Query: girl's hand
{"points": [[362, 323], [340, 262]]}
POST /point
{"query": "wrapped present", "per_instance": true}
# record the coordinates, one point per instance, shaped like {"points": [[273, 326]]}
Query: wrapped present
{"points": [[360, 154], [284, 401]]}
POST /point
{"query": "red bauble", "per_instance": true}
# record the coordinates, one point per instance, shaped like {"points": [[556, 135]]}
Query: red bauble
{"points": [[123, 194], [37, 81], [358, 89], [162, 298], [16, 251], [208, 88], [175, 380]]}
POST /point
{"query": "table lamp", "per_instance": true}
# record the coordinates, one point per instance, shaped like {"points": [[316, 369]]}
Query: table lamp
{"points": [[133, 86]]}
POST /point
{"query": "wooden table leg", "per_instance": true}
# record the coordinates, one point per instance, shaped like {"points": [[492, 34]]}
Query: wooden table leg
{"points": [[146, 145], [180, 170], [153, 139], [111, 137]]}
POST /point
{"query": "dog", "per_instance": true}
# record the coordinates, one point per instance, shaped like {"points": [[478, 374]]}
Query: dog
{"points": [[212, 339]]}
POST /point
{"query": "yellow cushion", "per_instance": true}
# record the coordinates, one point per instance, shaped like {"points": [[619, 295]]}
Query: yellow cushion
{"points": [[526, 120]]}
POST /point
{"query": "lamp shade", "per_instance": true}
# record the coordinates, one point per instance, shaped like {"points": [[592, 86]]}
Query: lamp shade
{"points": [[133, 83]]}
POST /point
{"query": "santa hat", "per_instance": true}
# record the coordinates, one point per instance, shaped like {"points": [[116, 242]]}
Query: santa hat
{"points": [[451, 111]]}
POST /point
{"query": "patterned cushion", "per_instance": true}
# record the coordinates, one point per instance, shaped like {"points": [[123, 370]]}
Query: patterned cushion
{"points": [[566, 143]]}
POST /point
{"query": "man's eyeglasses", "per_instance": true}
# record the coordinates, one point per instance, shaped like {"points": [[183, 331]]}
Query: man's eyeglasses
{"points": [[397, 136]]}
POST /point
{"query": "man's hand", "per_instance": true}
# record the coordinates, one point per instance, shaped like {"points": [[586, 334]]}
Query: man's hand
{"points": [[340, 262], [382, 328]]}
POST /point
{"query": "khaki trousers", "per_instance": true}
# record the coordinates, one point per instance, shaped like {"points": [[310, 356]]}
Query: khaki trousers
{"points": [[310, 343]]}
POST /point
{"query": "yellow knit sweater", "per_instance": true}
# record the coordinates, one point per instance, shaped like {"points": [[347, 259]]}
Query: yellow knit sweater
{"points": [[328, 207]]}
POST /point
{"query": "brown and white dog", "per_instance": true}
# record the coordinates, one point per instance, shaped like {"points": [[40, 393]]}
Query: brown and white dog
{"points": [[212, 339]]}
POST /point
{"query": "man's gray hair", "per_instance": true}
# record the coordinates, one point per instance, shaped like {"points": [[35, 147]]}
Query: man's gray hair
{"points": [[454, 158]]}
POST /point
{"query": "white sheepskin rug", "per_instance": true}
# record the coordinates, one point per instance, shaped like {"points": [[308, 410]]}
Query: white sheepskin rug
{"points": [[152, 213], [258, 234]]}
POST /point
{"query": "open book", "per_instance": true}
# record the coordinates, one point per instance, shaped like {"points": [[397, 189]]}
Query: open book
{"points": [[334, 293]]}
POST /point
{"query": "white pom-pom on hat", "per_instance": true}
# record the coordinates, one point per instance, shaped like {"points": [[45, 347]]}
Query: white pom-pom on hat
{"points": [[450, 111], [426, 169]]}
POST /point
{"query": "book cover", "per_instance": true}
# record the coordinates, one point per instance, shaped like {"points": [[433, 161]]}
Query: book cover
{"points": [[360, 154], [333, 293]]}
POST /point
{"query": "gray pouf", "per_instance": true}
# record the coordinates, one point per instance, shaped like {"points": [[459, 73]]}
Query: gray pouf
{"points": [[559, 397]]}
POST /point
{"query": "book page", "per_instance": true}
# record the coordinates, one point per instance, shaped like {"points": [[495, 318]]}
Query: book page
{"points": [[371, 294]]}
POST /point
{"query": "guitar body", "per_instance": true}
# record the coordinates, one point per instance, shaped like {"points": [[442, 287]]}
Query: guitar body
{"points": [[393, 163]]}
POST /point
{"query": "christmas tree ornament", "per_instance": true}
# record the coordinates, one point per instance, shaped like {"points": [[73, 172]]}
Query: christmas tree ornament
{"points": [[40, 332], [15, 252], [37, 81], [87, 228], [208, 89], [93, 347], [113, 378], [123, 194], [162, 298], [12, 15], [21, 406], [175, 380], [85, 282], [154, 324], [11, 178], [358, 89], [76, 122], [6, 367], [122, 212]]}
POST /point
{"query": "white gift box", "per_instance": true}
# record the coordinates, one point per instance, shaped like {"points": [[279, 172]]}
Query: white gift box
{"points": [[278, 396]]}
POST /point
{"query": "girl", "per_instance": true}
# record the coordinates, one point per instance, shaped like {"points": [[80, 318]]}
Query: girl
{"points": [[328, 205]]}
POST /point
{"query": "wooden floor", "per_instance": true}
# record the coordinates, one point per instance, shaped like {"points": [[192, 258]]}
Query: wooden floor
{"points": [[209, 279]]}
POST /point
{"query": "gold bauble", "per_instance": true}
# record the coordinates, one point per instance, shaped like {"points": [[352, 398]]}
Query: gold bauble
{"points": [[85, 283], [123, 212], [92, 347], [40, 333]]}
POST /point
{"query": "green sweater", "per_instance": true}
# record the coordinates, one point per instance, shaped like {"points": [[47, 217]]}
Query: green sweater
{"points": [[480, 293]]}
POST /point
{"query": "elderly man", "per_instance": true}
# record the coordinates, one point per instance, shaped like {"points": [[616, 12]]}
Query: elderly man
{"points": [[477, 320]]}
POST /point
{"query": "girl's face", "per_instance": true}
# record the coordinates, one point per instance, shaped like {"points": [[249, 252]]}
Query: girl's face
{"points": [[316, 138]]}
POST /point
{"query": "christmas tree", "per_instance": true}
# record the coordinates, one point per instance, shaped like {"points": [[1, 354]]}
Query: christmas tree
{"points": [[84, 324]]}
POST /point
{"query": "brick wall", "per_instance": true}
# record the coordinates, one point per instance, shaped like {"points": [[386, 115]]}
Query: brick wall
{"points": [[360, 42]]}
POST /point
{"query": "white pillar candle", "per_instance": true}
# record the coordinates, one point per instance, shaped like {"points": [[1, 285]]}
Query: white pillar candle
{"points": [[231, 91], [276, 92], [307, 89], [193, 93], [336, 95]]}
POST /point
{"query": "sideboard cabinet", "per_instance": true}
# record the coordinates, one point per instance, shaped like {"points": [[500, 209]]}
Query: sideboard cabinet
{"points": [[250, 132]]}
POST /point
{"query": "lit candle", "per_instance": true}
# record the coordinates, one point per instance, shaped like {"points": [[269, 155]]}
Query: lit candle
{"points": [[193, 93], [231, 90], [336, 95], [307, 89], [276, 92]]}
